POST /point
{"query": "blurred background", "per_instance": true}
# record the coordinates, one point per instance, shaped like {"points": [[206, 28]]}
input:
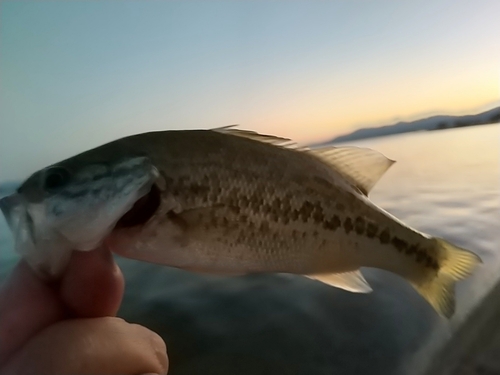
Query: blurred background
{"points": [[89, 72], [76, 74]]}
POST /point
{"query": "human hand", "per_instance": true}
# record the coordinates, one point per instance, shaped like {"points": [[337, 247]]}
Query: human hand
{"points": [[70, 327]]}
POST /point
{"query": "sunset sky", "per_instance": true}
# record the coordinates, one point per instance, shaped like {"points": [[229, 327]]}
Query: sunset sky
{"points": [[76, 74]]}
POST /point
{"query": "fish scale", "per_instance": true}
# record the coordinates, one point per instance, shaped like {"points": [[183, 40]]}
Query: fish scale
{"points": [[266, 199], [259, 209], [267, 203]]}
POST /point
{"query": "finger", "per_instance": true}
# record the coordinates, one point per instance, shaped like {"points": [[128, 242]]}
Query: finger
{"points": [[92, 285], [104, 346], [27, 305]]}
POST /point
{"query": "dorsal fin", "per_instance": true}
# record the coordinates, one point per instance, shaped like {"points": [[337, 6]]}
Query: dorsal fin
{"points": [[362, 167], [276, 141]]}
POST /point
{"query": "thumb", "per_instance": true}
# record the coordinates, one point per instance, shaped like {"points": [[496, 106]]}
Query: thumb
{"points": [[104, 346]]}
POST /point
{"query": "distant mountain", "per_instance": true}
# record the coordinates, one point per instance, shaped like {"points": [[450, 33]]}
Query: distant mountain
{"points": [[430, 123]]}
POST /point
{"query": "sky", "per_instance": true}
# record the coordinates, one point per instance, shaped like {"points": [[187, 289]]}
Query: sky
{"points": [[76, 74]]}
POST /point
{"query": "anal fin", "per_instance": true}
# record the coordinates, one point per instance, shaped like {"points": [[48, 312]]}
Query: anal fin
{"points": [[352, 281]]}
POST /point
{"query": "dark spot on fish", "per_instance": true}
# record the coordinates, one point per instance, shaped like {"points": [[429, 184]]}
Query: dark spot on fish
{"points": [[371, 230], [275, 209], [359, 225], [348, 225], [385, 236], [142, 210], [295, 234], [294, 215], [286, 208], [243, 218], [412, 249], [306, 210], [315, 234], [429, 262], [318, 215], [267, 208], [420, 256], [399, 244], [333, 223]]}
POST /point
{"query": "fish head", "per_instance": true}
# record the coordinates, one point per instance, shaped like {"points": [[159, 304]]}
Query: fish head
{"points": [[74, 205]]}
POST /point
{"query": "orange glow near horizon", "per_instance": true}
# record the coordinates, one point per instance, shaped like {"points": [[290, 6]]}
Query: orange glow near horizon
{"points": [[401, 102]]}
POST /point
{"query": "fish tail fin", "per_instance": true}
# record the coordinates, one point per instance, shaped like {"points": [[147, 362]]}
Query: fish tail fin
{"points": [[455, 264]]}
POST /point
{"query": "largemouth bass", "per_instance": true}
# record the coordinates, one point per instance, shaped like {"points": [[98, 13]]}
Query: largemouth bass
{"points": [[228, 201]]}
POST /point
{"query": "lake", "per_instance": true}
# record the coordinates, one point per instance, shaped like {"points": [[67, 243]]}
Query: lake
{"points": [[445, 183]]}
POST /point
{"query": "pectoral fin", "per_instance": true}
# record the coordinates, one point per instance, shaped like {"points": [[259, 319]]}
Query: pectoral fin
{"points": [[351, 281]]}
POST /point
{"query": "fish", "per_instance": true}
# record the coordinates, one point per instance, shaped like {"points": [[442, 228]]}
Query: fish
{"points": [[228, 201]]}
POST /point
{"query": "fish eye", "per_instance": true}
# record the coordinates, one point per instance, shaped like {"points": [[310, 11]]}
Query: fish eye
{"points": [[56, 177]]}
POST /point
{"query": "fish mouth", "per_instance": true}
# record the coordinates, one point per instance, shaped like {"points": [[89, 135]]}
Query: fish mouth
{"points": [[142, 210]]}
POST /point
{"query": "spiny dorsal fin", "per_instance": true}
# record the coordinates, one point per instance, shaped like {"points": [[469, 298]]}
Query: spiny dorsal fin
{"points": [[276, 141], [362, 167], [351, 281]]}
